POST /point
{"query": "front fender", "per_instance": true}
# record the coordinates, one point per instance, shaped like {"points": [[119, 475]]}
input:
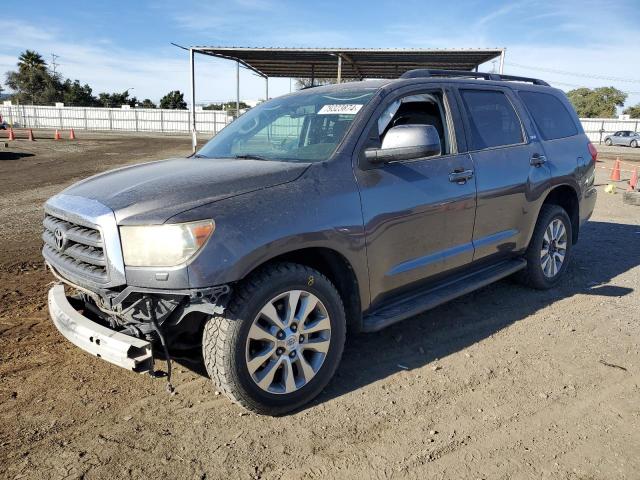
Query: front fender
{"points": [[320, 209]]}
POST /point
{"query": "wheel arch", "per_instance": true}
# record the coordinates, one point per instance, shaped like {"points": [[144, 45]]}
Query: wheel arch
{"points": [[336, 268], [565, 196]]}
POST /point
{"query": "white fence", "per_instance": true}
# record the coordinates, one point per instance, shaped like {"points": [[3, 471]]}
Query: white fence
{"points": [[598, 128], [207, 121], [95, 118]]}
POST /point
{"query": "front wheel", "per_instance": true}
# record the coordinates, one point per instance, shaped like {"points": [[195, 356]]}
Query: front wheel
{"points": [[634, 143], [549, 250], [280, 339]]}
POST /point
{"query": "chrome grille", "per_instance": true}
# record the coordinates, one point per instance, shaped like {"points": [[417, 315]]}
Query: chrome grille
{"points": [[75, 250]]}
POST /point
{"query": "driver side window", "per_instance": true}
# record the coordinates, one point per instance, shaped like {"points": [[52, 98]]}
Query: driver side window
{"points": [[418, 109]]}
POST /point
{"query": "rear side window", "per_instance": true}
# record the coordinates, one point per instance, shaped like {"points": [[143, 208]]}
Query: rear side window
{"points": [[550, 115], [492, 119]]}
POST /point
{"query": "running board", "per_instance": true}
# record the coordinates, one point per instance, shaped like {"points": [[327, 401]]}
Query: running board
{"points": [[407, 307]]}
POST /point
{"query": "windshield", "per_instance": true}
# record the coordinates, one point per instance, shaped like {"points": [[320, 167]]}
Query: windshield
{"points": [[306, 127]]}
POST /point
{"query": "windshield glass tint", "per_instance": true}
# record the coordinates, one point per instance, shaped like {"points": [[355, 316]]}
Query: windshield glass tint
{"points": [[306, 127]]}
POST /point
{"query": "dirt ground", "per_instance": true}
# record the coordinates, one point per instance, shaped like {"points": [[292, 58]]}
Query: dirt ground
{"points": [[502, 383]]}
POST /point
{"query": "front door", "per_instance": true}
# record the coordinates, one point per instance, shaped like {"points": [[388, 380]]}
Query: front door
{"points": [[418, 214], [617, 138]]}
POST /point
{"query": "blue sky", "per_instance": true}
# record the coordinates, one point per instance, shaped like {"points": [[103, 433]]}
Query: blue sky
{"points": [[115, 45]]}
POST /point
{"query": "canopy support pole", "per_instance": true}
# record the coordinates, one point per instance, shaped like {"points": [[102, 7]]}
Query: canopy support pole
{"points": [[266, 85], [339, 69], [237, 89], [504, 50], [313, 74], [194, 137]]}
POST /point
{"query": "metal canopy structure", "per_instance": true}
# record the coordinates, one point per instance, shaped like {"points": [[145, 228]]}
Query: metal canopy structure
{"points": [[338, 63], [357, 63]]}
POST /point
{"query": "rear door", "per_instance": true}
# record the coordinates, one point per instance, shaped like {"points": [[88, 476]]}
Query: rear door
{"points": [[509, 169]]}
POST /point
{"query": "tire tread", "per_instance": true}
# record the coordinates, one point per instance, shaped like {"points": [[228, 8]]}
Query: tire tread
{"points": [[531, 275], [218, 332]]}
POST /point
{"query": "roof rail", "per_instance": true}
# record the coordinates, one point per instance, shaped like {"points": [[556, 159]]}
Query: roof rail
{"points": [[424, 72]]}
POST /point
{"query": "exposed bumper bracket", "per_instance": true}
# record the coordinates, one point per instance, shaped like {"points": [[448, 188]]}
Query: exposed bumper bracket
{"points": [[123, 350]]}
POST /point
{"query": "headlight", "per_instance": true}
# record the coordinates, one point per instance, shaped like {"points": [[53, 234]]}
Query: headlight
{"points": [[163, 245]]}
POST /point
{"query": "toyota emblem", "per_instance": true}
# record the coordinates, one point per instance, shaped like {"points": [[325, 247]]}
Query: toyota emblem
{"points": [[60, 238]]}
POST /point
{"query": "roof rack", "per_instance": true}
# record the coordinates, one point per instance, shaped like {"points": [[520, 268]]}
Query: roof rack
{"points": [[424, 72]]}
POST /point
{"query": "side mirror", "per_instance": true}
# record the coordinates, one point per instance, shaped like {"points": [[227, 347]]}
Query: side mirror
{"points": [[406, 142]]}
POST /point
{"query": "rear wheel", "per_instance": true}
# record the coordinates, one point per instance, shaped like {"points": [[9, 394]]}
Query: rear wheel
{"points": [[549, 250], [279, 341]]}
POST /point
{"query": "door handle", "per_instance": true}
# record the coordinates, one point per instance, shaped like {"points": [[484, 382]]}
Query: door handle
{"points": [[460, 176], [537, 160]]}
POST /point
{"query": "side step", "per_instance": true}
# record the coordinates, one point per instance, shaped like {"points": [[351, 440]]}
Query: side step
{"points": [[406, 307]]}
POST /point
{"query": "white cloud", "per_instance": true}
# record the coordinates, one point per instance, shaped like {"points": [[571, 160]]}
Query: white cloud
{"points": [[500, 12], [548, 37], [150, 74]]}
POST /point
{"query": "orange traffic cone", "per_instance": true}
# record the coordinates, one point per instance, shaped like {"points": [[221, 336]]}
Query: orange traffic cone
{"points": [[615, 173], [57, 135], [12, 135], [633, 183], [72, 135], [31, 137]]}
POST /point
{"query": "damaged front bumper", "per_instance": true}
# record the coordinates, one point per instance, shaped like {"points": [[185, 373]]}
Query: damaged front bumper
{"points": [[122, 325], [123, 350]]}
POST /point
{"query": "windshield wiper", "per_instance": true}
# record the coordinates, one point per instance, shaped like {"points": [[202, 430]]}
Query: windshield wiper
{"points": [[250, 157]]}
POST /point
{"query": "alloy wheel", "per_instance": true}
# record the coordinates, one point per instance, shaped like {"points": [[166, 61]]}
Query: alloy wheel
{"points": [[288, 342], [554, 248]]}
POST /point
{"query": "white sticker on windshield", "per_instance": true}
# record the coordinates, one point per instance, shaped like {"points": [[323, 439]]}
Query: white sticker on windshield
{"points": [[340, 109]]}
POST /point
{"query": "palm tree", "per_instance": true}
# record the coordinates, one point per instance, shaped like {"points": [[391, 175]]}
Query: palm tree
{"points": [[31, 60]]}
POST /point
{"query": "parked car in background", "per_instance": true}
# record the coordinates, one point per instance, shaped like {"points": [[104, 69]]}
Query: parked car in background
{"points": [[336, 209], [627, 138]]}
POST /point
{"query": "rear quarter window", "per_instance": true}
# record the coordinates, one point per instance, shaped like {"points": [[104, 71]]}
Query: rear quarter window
{"points": [[550, 115], [492, 120]]}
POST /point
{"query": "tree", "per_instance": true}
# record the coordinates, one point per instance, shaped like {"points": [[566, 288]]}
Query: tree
{"points": [[226, 106], [302, 83], [599, 102], [116, 100], [633, 112], [33, 83], [77, 95], [173, 100], [30, 60], [146, 103]]}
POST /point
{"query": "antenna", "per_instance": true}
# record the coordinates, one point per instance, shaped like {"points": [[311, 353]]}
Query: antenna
{"points": [[54, 65]]}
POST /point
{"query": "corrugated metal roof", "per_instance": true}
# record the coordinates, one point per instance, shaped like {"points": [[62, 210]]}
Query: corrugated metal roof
{"points": [[356, 62]]}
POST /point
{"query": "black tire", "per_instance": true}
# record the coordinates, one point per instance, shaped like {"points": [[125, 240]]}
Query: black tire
{"points": [[224, 340], [608, 142], [533, 275], [634, 144]]}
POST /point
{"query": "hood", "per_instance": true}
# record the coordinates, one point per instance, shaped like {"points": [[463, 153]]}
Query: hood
{"points": [[154, 192]]}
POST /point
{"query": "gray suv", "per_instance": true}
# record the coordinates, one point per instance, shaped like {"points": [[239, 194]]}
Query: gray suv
{"points": [[330, 211]]}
